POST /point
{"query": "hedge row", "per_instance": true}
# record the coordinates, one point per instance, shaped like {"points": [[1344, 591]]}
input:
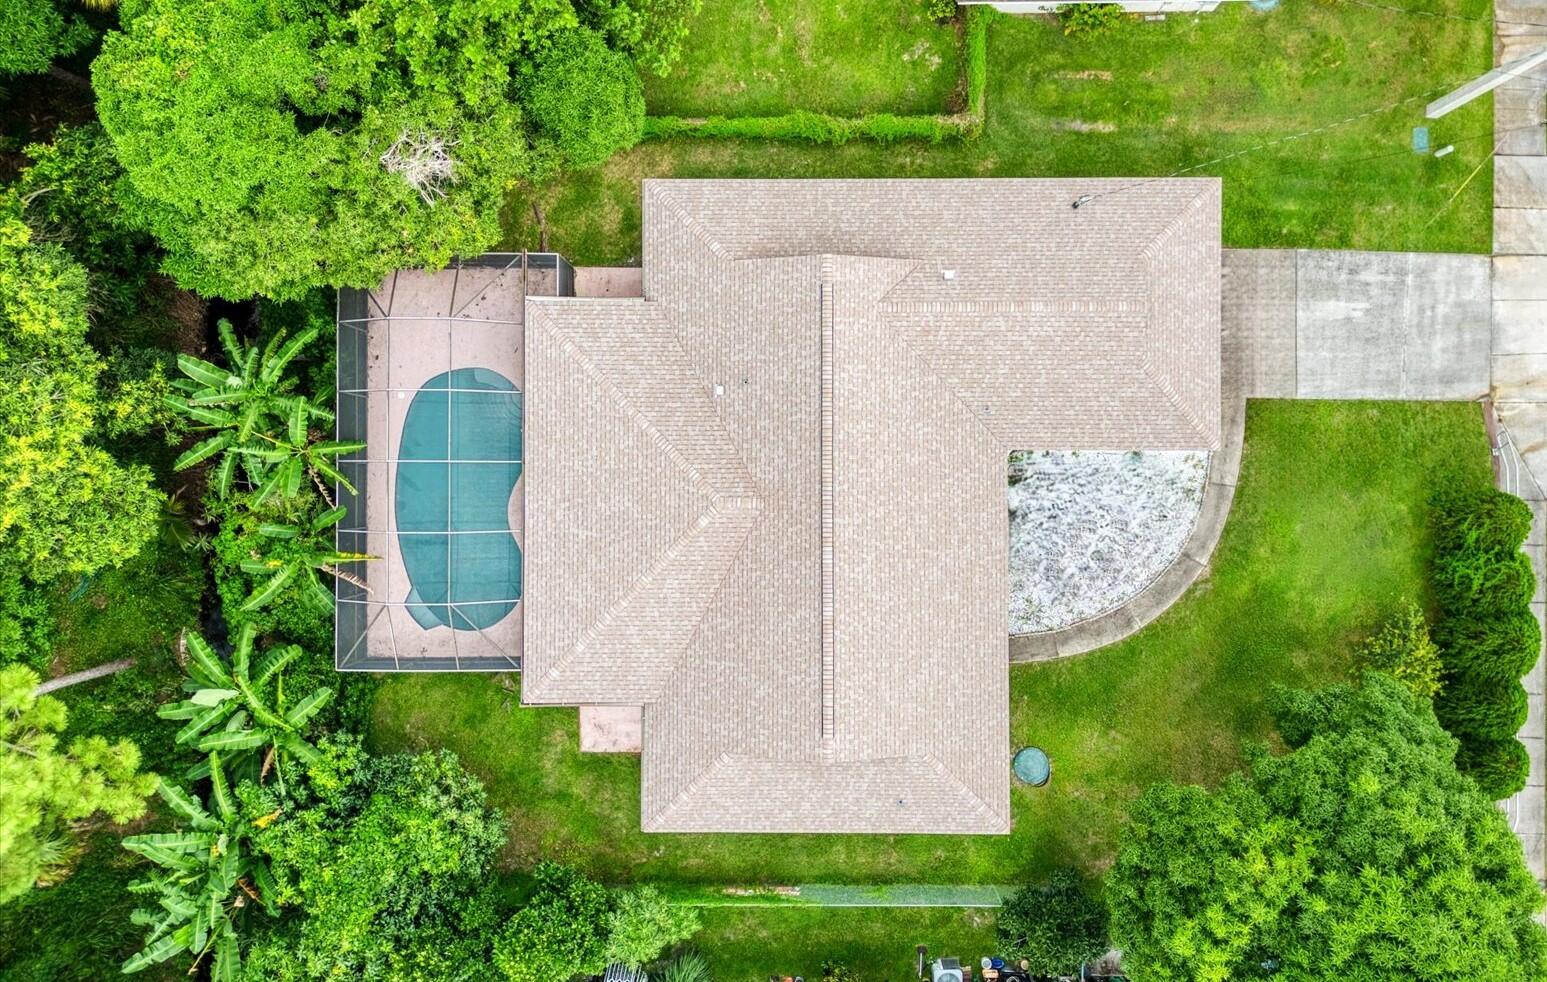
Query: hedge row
{"points": [[829, 129], [1487, 634]]}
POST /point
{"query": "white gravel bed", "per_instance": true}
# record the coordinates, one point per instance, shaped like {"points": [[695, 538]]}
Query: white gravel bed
{"points": [[1089, 530]]}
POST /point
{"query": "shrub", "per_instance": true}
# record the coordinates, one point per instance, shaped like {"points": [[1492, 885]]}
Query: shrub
{"points": [[1481, 711], [1084, 20], [1483, 521], [1500, 767], [686, 967], [586, 98], [941, 10], [1498, 649], [644, 924], [388, 857], [1056, 928], [1484, 582], [1404, 650], [978, 19], [560, 933], [26, 621]]}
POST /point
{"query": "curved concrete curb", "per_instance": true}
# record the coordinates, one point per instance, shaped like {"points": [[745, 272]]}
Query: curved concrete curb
{"points": [[1168, 587]]}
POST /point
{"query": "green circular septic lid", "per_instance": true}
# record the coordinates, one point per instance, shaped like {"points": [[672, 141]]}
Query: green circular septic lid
{"points": [[1032, 766]]}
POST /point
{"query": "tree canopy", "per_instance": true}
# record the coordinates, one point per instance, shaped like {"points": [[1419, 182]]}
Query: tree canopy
{"points": [[560, 933], [585, 98], [47, 787], [276, 147], [35, 32], [66, 505], [1360, 854], [1055, 927]]}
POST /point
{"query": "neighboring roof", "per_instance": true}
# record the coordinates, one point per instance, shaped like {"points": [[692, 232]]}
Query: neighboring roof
{"points": [[767, 501]]}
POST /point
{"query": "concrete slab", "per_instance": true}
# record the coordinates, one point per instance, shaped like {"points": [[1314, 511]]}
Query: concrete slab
{"points": [[1374, 325], [611, 729], [609, 281], [1520, 231], [1257, 309], [1519, 182], [1520, 378], [1519, 326], [1520, 277]]}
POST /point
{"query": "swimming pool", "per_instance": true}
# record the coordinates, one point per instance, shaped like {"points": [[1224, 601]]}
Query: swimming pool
{"points": [[459, 458]]}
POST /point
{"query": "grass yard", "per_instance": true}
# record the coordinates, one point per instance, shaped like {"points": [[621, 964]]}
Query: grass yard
{"points": [[750, 944], [1150, 99], [850, 57], [1329, 532]]}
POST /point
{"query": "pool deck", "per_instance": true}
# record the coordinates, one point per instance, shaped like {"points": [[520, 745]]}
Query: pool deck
{"points": [[421, 325]]}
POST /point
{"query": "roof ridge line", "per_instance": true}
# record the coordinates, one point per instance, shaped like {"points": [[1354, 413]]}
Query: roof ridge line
{"points": [[689, 221], [696, 478], [688, 789], [975, 801], [739, 507]]}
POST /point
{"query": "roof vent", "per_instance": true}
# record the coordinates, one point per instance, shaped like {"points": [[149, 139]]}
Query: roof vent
{"points": [[948, 274], [719, 390]]}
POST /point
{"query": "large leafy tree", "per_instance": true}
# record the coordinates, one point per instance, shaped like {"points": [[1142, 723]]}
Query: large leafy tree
{"points": [[66, 505], [585, 98], [1360, 854], [389, 858], [274, 147], [46, 787]]}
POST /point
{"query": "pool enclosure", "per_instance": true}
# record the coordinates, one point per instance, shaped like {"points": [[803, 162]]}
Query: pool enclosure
{"points": [[430, 375]]}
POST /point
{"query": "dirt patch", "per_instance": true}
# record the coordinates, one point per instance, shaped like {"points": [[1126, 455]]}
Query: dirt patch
{"points": [[1088, 75], [1084, 126]]}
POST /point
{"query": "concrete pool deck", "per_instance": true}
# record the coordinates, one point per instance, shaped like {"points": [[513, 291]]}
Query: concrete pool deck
{"points": [[421, 325]]}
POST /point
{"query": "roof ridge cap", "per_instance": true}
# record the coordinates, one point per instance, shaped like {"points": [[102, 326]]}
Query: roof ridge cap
{"points": [[658, 191], [973, 799], [688, 790]]}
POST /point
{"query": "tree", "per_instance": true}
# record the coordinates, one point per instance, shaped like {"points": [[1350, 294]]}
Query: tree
{"points": [[46, 788], [560, 933], [1361, 853], [643, 924], [586, 98], [253, 408], [243, 711], [272, 148], [649, 31], [1404, 650], [35, 32], [389, 859], [1056, 927], [208, 875], [66, 506]]}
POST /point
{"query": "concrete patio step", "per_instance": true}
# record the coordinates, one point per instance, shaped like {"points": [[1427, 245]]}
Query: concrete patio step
{"points": [[1520, 231]]}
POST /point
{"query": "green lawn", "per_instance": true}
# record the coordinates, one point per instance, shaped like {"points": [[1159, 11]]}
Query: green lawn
{"points": [[749, 945], [848, 57], [1328, 533], [1151, 99]]}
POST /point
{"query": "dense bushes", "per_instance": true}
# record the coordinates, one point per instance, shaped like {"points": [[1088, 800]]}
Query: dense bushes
{"points": [[586, 98], [1055, 928], [1083, 20], [1360, 853], [1487, 633]]}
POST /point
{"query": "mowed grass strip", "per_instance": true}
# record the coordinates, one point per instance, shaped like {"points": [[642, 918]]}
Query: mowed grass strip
{"points": [[877, 943], [765, 57], [1329, 532], [1150, 99]]}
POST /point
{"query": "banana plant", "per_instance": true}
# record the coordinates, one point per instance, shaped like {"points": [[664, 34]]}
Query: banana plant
{"points": [[308, 551], [242, 710], [206, 880], [252, 398], [280, 462]]}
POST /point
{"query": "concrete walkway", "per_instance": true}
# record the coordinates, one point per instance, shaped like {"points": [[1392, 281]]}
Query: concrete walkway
{"points": [[1519, 357]]}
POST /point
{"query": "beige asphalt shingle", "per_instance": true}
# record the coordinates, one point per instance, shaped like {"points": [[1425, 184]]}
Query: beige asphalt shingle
{"points": [[767, 501]]}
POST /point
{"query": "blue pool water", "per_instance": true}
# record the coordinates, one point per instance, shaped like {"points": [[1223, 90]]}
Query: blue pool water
{"points": [[458, 462]]}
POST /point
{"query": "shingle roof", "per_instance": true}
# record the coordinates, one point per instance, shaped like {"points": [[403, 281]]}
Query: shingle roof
{"points": [[767, 501]]}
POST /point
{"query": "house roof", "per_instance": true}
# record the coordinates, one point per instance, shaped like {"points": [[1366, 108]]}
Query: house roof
{"points": [[766, 502]]}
